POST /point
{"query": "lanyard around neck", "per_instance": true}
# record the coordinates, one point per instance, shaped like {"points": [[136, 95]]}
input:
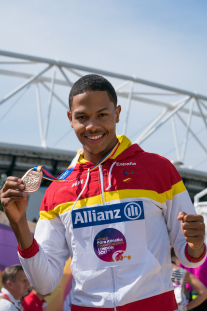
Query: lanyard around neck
{"points": [[7, 298], [62, 178]]}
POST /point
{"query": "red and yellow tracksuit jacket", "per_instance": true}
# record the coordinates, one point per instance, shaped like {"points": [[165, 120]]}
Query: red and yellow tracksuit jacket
{"points": [[116, 222]]}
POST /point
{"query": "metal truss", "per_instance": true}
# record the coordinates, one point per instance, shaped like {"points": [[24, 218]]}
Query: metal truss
{"points": [[152, 96]]}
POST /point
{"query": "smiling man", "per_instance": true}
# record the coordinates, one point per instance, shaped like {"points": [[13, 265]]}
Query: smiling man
{"points": [[115, 215]]}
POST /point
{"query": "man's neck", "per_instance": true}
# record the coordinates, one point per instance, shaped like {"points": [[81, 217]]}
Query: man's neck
{"points": [[12, 293], [95, 158]]}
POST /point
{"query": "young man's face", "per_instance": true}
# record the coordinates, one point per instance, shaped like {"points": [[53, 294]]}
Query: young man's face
{"points": [[93, 117]]}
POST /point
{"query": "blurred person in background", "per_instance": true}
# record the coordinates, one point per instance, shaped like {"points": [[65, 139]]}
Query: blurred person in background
{"points": [[15, 286], [34, 301], [179, 279], [200, 273]]}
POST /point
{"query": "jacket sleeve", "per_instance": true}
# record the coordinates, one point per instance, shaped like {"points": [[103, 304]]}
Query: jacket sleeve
{"points": [[178, 200], [44, 261]]}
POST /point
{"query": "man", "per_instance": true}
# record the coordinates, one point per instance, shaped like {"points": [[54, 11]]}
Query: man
{"points": [[15, 286], [113, 218], [34, 301]]}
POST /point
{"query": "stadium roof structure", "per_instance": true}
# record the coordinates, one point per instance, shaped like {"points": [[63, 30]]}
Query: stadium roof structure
{"points": [[185, 106]]}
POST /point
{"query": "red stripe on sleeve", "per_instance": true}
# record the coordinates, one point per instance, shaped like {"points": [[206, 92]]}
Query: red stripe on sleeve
{"points": [[30, 252], [191, 259]]}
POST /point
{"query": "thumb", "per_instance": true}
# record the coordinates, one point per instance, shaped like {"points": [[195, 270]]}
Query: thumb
{"points": [[181, 215]]}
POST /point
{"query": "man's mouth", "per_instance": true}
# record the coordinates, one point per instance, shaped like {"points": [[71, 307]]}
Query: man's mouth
{"points": [[95, 138]]}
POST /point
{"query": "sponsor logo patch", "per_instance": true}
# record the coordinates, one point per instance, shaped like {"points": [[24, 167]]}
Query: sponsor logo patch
{"points": [[79, 182], [128, 173], [100, 215], [125, 164], [110, 245]]}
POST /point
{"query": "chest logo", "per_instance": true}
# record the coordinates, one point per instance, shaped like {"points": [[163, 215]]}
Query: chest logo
{"points": [[125, 164], [126, 173], [110, 245], [79, 182], [132, 211], [107, 214]]}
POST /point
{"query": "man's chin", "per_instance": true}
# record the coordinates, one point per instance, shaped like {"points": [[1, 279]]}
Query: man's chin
{"points": [[95, 152]]}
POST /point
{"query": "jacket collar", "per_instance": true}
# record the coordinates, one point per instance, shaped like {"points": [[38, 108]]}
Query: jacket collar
{"points": [[121, 153], [10, 296]]}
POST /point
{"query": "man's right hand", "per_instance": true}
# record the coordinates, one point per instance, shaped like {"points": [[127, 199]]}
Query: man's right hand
{"points": [[14, 200]]}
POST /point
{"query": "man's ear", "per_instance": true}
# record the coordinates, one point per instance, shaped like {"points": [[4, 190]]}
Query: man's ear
{"points": [[9, 284], [118, 110], [69, 114]]}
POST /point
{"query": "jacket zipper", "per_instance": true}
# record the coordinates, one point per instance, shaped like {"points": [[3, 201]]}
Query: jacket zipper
{"points": [[113, 281], [104, 203], [101, 178]]}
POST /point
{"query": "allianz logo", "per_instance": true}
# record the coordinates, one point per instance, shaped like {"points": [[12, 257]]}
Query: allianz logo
{"points": [[79, 182], [93, 216], [125, 164], [132, 211]]}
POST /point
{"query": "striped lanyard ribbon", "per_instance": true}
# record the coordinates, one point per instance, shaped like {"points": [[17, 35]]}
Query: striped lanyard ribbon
{"points": [[62, 178]]}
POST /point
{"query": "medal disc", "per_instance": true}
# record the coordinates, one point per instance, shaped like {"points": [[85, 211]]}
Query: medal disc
{"points": [[32, 180]]}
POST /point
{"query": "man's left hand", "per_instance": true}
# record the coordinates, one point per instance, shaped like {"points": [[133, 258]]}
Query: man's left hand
{"points": [[193, 229]]}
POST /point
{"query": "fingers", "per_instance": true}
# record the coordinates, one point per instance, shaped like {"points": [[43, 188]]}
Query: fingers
{"points": [[181, 215], [13, 183], [194, 233], [193, 229], [12, 191], [7, 201], [197, 225], [12, 195], [195, 241], [193, 218], [189, 218], [12, 188]]}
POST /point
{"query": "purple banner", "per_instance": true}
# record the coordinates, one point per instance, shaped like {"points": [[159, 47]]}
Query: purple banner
{"points": [[8, 247]]}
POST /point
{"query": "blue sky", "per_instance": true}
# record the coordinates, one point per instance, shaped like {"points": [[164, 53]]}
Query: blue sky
{"points": [[161, 41]]}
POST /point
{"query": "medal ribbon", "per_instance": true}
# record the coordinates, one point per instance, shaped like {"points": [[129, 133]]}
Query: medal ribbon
{"points": [[62, 178]]}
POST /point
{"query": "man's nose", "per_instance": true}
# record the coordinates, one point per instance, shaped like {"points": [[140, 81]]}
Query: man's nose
{"points": [[92, 124], [27, 283]]}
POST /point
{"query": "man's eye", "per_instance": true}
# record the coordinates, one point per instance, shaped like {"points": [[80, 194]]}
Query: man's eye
{"points": [[103, 114], [81, 117]]}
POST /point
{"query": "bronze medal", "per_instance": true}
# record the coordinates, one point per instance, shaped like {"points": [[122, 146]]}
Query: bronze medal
{"points": [[32, 180]]}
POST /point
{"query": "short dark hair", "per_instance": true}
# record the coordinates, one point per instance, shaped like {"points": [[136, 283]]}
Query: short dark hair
{"points": [[9, 274], [92, 82]]}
